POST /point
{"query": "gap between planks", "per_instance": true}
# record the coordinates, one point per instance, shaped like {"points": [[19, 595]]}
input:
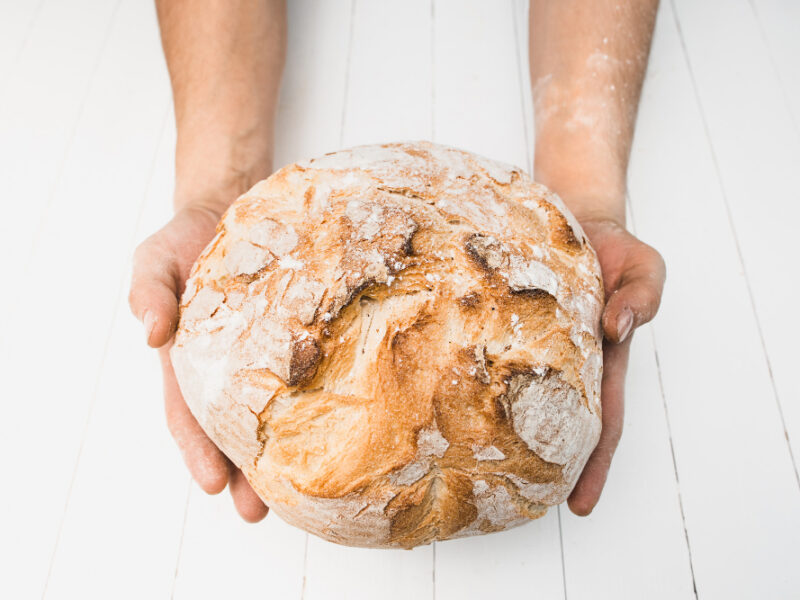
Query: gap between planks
{"points": [[23, 43], [106, 344], [180, 541], [70, 138], [347, 71], [739, 255], [632, 228], [776, 70]]}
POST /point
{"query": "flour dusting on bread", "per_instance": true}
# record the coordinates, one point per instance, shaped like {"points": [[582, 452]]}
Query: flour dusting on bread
{"points": [[397, 344]]}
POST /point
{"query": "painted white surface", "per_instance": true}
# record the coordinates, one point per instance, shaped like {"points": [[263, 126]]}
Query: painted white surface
{"points": [[128, 466], [97, 503], [390, 75], [42, 99], [755, 157], [82, 202], [478, 88], [738, 487]]}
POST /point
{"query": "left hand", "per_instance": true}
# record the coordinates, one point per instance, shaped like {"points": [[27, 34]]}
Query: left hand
{"points": [[161, 267], [633, 277]]}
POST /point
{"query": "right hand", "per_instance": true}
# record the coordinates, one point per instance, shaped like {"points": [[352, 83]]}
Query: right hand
{"points": [[161, 267], [633, 280]]}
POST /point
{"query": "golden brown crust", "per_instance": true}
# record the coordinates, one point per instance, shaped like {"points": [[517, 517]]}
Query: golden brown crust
{"points": [[397, 344]]}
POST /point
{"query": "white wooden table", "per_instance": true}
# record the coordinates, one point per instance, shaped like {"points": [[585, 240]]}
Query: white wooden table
{"points": [[703, 499]]}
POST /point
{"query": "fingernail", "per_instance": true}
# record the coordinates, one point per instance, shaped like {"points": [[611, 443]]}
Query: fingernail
{"points": [[149, 321], [624, 324]]}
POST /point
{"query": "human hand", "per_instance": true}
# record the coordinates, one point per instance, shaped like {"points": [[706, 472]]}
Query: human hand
{"points": [[633, 277], [161, 267]]}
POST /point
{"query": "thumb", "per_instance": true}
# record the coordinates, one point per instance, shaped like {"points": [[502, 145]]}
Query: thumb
{"points": [[636, 299], [153, 296]]}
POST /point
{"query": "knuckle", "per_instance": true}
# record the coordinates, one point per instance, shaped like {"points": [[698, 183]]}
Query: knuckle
{"points": [[142, 252], [652, 294], [656, 258], [133, 300], [151, 249]]}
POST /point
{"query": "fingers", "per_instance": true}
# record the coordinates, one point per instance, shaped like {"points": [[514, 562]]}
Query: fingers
{"points": [[161, 265], [636, 299], [587, 491], [208, 466], [247, 502], [153, 294]]}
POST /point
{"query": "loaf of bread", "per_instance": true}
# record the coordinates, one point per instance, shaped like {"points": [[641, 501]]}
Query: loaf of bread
{"points": [[397, 344]]}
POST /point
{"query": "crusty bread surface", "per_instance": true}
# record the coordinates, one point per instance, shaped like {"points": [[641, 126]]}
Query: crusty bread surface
{"points": [[397, 344]]}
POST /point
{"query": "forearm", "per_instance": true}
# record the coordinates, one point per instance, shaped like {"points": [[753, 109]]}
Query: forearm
{"points": [[225, 59], [588, 59]]}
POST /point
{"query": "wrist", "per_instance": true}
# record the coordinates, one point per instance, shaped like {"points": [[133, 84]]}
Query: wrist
{"points": [[594, 206], [591, 184], [213, 176], [214, 190], [222, 150]]}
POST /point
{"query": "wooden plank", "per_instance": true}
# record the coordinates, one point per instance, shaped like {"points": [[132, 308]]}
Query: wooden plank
{"points": [[64, 300], [736, 479], [522, 34], [479, 102], [334, 571], [125, 514], [313, 90], [388, 98], [778, 21], [478, 96], [526, 558], [222, 556], [633, 543], [46, 90], [757, 153], [15, 29]]}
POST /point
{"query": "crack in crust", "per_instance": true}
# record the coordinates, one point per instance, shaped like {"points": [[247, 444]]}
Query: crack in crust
{"points": [[304, 361], [397, 344]]}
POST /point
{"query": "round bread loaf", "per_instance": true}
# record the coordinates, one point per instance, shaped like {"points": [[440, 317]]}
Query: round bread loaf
{"points": [[397, 344]]}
